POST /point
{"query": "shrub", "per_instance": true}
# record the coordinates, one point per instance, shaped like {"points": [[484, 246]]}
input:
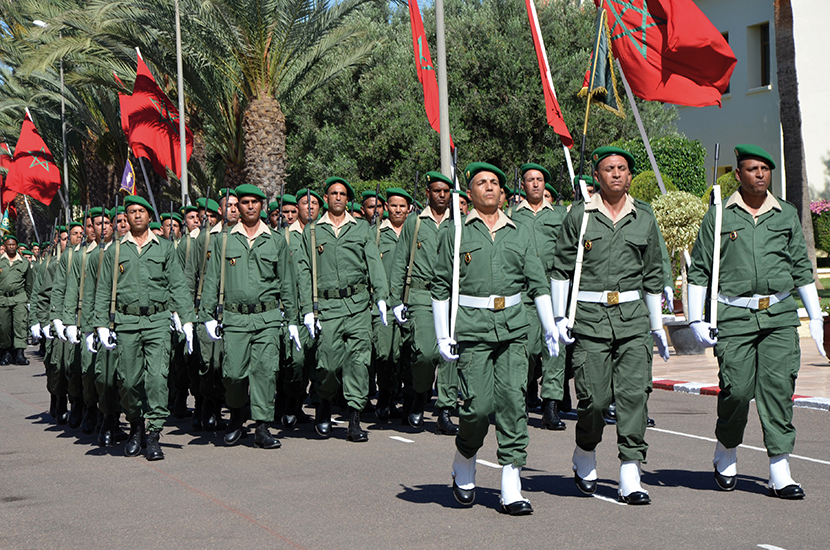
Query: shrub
{"points": [[679, 159], [644, 186], [820, 213], [728, 185]]}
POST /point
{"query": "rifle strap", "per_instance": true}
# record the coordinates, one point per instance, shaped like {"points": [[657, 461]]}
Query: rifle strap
{"points": [[313, 254], [81, 288], [187, 249], [377, 236], [202, 269], [116, 268], [408, 282], [220, 311]]}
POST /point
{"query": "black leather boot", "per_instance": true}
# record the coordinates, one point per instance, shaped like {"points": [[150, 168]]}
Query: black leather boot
{"points": [[153, 446], [208, 417], [62, 415], [41, 350], [53, 405], [118, 435], [89, 420], [445, 424], [322, 421], [263, 438], [77, 413], [550, 416], [5, 357], [382, 411], [406, 407], [355, 433], [180, 409], [415, 418], [235, 431], [137, 438], [105, 438], [20, 358], [217, 414], [196, 419]]}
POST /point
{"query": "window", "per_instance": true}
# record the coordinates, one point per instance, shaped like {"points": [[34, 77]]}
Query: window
{"points": [[758, 56], [764, 28]]}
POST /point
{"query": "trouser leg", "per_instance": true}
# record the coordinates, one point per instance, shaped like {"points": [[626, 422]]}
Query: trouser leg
{"points": [[262, 373], [72, 369], [105, 364], [6, 330], [553, 376], [509, 393], [358, 356], [331, 354], [131, 374], [475, 383], [593, 367], [20, 325], [779, 359], [632, 386], [156, 353], [88, 376], [737, 361], [235, 368]]}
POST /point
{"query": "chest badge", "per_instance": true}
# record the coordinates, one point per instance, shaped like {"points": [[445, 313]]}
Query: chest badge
{"points": [[320, 249], [467, 258], [733, 236], [588, 245], [381, 254], [233, 261], [208, 255], [121, 268], [419, 245]]}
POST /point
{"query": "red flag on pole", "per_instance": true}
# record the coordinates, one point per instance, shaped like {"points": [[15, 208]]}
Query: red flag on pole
{"points": [[154, 124], [425, 68], [7, 197], [669, 51], [554, 113], [33, 171], [125, 104]]}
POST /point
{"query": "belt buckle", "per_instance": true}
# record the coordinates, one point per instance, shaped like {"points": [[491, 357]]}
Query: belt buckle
{"points": [[613, 298], [144, 310], [251, 309], [763, 303], [344, 293], [498, 303]]}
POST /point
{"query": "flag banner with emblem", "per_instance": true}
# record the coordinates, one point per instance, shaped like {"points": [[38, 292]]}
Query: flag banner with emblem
{"points": [[554, 113], [425, 68], [5, 224], [6, 195], [154, 124], [33, 171], [669, 51], [600, 84], [128, 179]]}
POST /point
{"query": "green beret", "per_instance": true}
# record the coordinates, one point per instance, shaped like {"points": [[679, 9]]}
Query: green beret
{"points": [[437, 176], [61, 229], [140, 201], [604, 152], [246, 189], [305, 192], [334, 179], [533, 166], [75, 224], [273, 206], [23, 246], [10, 237], [174, 215], [25, 252], [745, 151], [588, 181], [419, 205], [155, 225], [398, 192], [224, 191], [553, 194], [370, 195], [96, 211], [263, 215], [289, 199], [212, 206], [111, 213], [464, 196], [475, 167], [351, 207], [190, 208], [44, 245], [200, 202]]}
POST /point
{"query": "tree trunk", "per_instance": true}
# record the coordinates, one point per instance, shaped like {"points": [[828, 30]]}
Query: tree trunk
{"points": [[264, 127], [798, 191]]}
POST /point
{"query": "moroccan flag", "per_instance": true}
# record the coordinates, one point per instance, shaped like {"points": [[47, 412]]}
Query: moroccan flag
{"points": [[33, 171], [600, 84], [7, 196], [125, 104], [154, 124], [554, 114], [425, 68], [128, 179], [669, 51]]}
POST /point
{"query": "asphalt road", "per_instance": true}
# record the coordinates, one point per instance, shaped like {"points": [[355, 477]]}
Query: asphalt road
{"points": [[58, 489]]}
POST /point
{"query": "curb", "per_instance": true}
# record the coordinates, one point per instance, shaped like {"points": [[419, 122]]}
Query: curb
{"points": [[695, 388]]}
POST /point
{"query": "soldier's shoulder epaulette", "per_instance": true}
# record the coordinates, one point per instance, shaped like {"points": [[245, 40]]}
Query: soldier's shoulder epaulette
{"points": [[643, 205], [787, 206]]}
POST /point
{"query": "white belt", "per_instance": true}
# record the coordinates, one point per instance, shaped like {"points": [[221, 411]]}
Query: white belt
{"points": [[496, 303], [758, 301], [608, 297]]}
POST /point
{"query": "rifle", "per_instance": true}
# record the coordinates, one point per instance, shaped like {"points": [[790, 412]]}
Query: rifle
{"points": [[415, 193], [375, 219], [115, 269], [83, 267], [170, 235], [456, 264], [718, 204], [220, 307], [280, 219], [315, 304]]}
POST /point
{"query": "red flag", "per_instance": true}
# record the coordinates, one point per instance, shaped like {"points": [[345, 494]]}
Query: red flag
{"points": [[554, 113], [8, 196], [154, 124], [425, 68], [33, 171], [125, 103], [669, 51]]}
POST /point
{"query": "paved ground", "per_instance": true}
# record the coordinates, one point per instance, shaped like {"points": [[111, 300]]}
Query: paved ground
{"points": [[59, 490]]}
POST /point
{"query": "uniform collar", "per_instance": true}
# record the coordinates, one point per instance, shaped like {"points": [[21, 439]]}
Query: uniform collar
{"points": [[769, 203], [296, 227], [525, 204], [195, 233], [326, 219], [428, 212], [597, 204], [240, 229], [502, 221], [128, 238], [17, 257]]}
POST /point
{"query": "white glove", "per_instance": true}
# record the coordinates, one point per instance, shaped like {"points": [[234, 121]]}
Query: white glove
{"points": [[444, 348], [809, 295], [544, 308], [382, 310], [308, 321], [295, 335], [659, 336], [702, 334], [212, 327], [187, 329], [47, 332], [60, 329], [36, 333], [399, 313], [89, 337], [562, 325], [72, 334], [668, 292], [104, 335], [177, 322]]}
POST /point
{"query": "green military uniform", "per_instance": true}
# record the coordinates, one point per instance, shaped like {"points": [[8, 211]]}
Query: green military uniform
{"points": [[386, 342], [757, 347], [16, 280], [612, 356], [150, 287], [258, 274], [420, 357], [348, 264], [55, 378], [491, 332]]}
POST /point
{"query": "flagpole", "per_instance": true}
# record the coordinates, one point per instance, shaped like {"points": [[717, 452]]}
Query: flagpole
{"points": [[643, 134], [443, 97], [149, 189], [31, 218], [182, 130]]}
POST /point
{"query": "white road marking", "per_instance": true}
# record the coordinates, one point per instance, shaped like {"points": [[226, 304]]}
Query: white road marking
{"points": [[750, 447], [608, 499], [770, 547], [485, 463], [402, 439]]}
